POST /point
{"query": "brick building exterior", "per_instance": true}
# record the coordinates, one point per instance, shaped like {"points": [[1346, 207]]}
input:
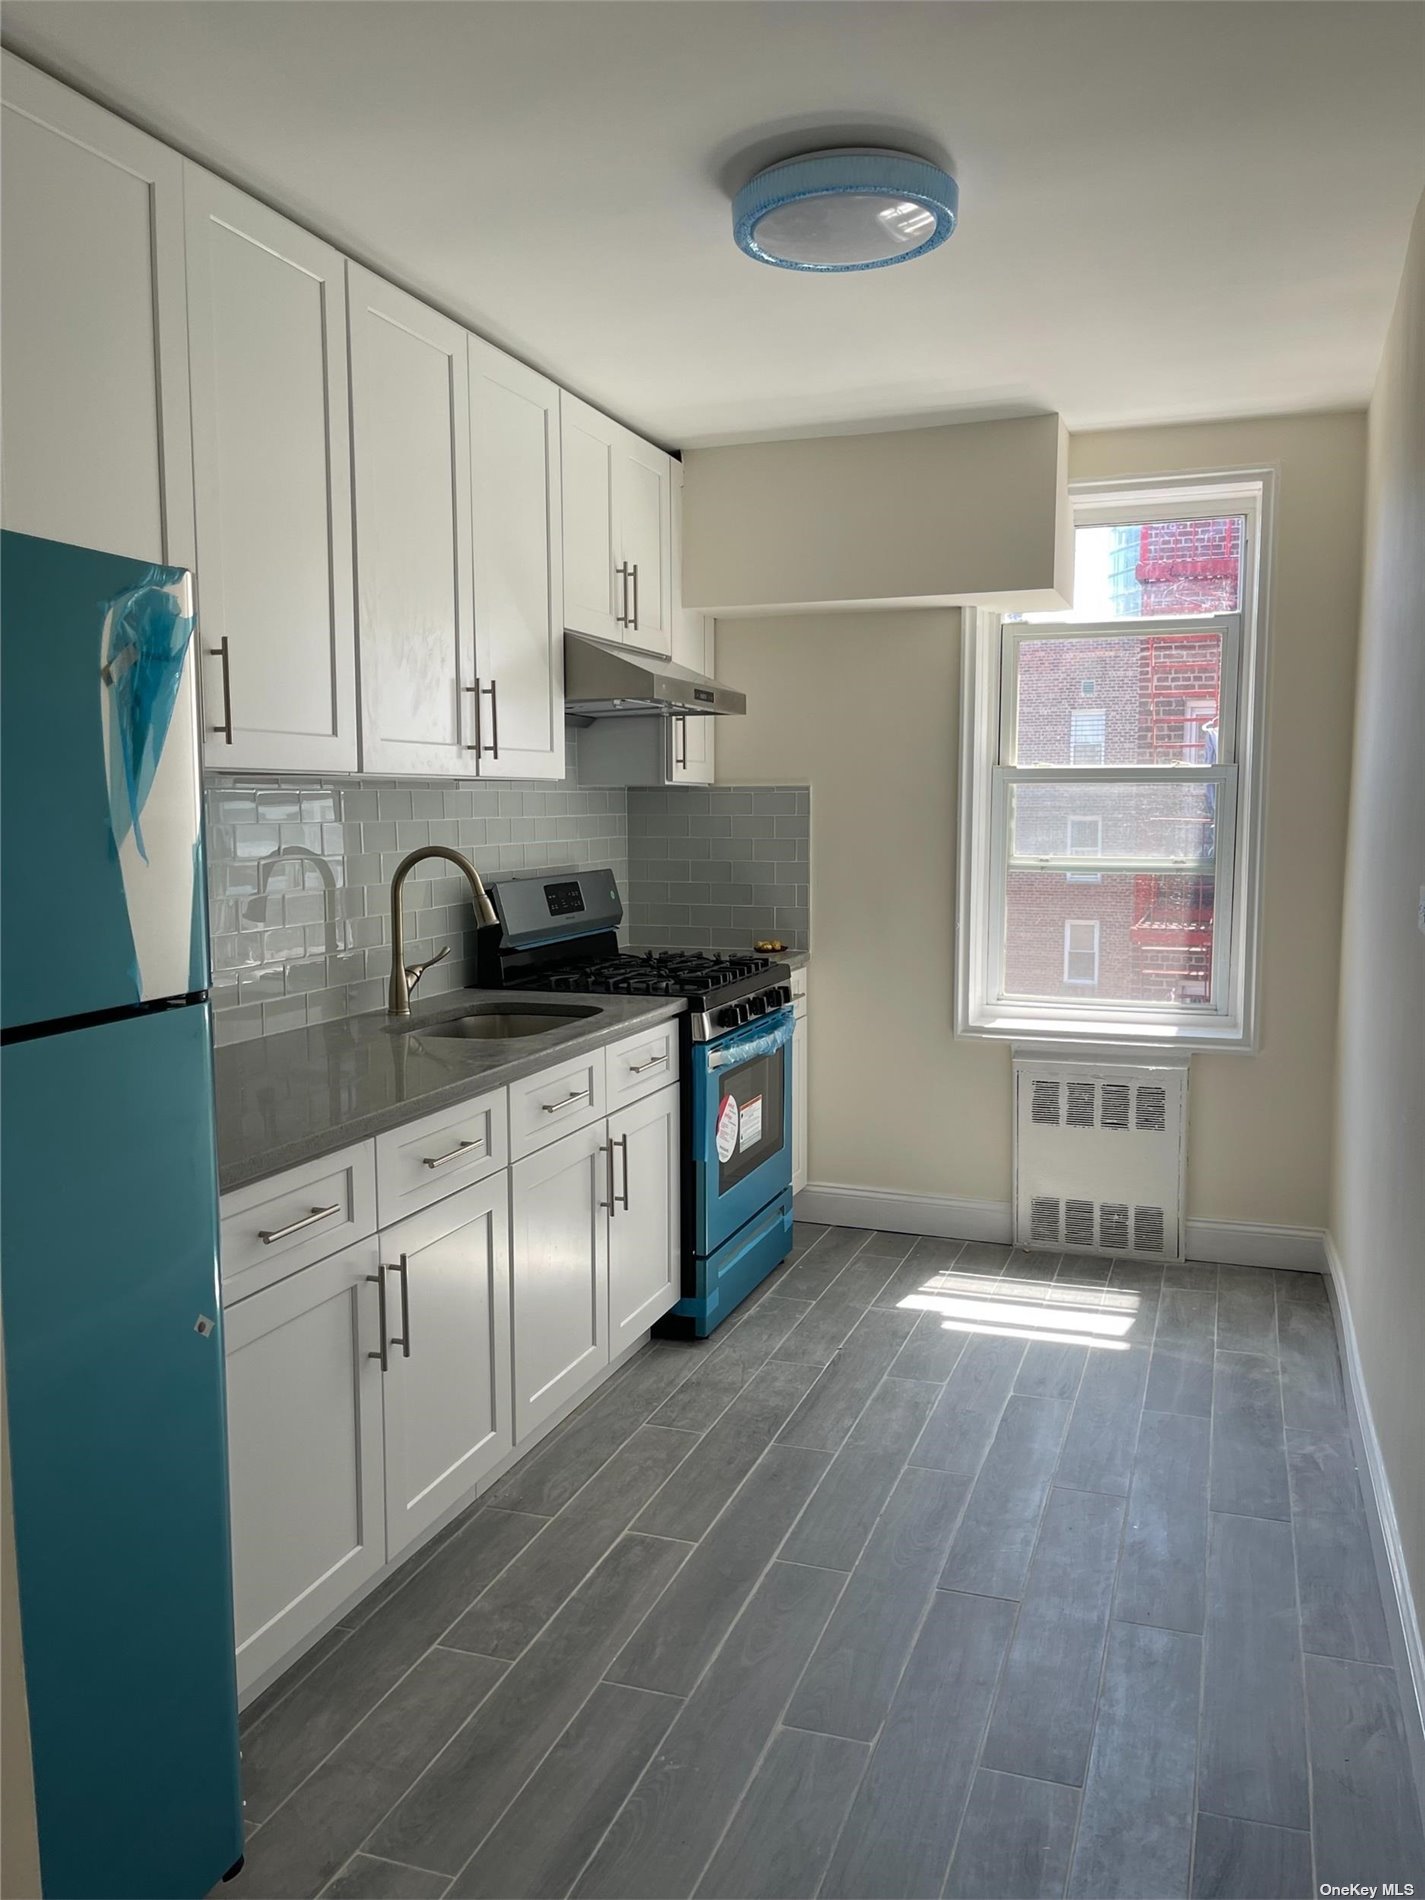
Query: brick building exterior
{"points": [[1124, 936]]}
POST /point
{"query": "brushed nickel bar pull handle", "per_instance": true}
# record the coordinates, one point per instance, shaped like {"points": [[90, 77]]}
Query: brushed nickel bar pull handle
{"points": [[493, 689], [612, 1202], [653, 1062], [680, 757], [269, 1235], [404, 1339], [621, 605], [623, 1143], [454, 1154], [380, 1278], [220, 653], [635, 596], [579, 1095], [479, 746]]}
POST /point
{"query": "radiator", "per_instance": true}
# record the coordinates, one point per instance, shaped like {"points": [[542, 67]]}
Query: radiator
{"points": [[1100, 1149]]}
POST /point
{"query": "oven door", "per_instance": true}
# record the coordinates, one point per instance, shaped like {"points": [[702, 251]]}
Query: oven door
{"points": [[741, 1127]]}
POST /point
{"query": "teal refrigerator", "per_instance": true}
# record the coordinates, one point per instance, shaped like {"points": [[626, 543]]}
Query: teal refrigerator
{"points": [[108, 1230]]}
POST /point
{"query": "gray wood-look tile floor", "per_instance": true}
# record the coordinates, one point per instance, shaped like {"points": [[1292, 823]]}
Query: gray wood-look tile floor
{"points": [[938, 1570]]}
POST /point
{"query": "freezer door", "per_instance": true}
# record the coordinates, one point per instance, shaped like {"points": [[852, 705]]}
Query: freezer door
{"points": [[114, 1387], [102, 867]]}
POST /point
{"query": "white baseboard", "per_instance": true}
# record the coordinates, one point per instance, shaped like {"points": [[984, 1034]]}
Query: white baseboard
{"points": [[1257, 1244], [1381, 1505], [940, 1215], [1237, 1243]]}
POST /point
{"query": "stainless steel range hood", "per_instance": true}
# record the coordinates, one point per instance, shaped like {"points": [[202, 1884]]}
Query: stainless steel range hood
{"points": [[602, 680]]}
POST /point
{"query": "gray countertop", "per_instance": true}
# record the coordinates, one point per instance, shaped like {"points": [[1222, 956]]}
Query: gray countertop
{"points": [[286, 1099]]}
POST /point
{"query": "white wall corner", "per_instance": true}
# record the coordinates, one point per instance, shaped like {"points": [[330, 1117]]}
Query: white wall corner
{"points": [[1401, 1603]]}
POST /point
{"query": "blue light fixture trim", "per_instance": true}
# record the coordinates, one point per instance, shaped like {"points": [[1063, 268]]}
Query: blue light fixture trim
{"points": [[858, 174]]}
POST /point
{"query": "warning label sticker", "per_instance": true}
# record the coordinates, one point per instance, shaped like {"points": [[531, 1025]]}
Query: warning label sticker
{"points": [[750, 1123], [727, 1121]]}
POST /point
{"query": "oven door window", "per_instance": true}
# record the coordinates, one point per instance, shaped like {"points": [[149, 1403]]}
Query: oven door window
{"points": [[748, 1126]]}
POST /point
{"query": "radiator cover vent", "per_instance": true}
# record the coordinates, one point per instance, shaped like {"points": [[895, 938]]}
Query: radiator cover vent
{"points": [[1100, 1146]]}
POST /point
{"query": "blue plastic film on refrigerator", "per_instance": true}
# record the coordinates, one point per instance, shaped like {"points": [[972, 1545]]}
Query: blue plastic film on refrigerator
{"points": [[144, 640]]}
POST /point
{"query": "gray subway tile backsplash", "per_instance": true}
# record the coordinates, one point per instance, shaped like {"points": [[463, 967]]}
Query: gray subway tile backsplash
{"points": [[718, 866], [299, 878]]}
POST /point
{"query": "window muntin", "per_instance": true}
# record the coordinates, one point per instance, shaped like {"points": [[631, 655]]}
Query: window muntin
{"points": [[1173, 887]]}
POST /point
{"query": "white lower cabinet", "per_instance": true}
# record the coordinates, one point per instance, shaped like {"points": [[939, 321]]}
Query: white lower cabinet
{"points": [[559, 1222], [447, 1362], [643, 1216], [304, 1452], [371, 1392]]}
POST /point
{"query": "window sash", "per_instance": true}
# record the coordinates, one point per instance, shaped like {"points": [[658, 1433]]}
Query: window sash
{"points": [[1222, 870]]}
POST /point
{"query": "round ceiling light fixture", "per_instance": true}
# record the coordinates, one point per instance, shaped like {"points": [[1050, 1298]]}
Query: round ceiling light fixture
{"points": [[852, 209]]}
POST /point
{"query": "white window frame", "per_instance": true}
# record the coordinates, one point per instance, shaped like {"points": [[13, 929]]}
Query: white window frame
{"points": [[987, 770], [1071, 924]]}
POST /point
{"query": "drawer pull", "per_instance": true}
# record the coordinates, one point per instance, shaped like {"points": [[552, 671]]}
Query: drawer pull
{"points": [[653, 1062], [269, 1235], [579, 1095], [463, 1147]]}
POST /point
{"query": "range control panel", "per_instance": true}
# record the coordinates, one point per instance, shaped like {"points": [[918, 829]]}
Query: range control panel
{"points": [[545, 906]]}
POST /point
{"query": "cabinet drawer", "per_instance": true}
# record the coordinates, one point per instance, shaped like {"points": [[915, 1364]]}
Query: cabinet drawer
{"points": [[640, 1064], [273, 1227], [555, 1101], [431, 1158]]}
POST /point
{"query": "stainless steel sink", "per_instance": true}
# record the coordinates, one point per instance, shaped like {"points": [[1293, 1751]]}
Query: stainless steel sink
{"points": [[493, 1024]]}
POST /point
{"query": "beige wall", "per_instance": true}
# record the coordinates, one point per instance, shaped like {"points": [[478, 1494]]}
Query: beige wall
{"points": [[1378, 1199], [773, 526], [864, 707]]}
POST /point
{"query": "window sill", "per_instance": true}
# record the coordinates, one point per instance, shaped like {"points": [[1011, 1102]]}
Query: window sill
{"points": [[1108, 1034]]}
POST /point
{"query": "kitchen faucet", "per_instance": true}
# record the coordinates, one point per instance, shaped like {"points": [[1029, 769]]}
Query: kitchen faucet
{"points": [[403, 979]]}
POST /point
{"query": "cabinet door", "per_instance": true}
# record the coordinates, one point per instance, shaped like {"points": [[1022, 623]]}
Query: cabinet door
{"points": [[519, 585], [272, 484], [95, 347], [448, 1354], [644, 1253], [559, 1273], [690, 739], [593, 600], [304, 1452], [411, 474], [644, 539], [799, 1103]]}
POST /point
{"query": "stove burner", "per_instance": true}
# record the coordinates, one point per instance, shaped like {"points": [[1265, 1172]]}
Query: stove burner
{"points": [[653, 973]]}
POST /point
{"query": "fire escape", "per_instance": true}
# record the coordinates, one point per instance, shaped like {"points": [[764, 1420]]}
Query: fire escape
{"points": [[1171, 931]]}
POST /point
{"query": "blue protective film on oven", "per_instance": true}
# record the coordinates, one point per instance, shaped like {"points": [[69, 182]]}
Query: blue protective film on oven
{"points": [[145, 637]]}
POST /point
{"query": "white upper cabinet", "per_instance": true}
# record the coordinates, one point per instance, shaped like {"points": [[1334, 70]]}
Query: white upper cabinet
{"points": [[272, 480], [411, 478], [643, 516], [690, 739], [592, 590], [95, 362], [518, 554], [618, 557]]}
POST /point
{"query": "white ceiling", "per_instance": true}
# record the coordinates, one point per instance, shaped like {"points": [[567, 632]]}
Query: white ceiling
{"points": [[1168, 211]]}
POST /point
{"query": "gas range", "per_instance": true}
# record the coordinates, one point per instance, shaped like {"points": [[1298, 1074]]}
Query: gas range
{"points": [[558, 932]]}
